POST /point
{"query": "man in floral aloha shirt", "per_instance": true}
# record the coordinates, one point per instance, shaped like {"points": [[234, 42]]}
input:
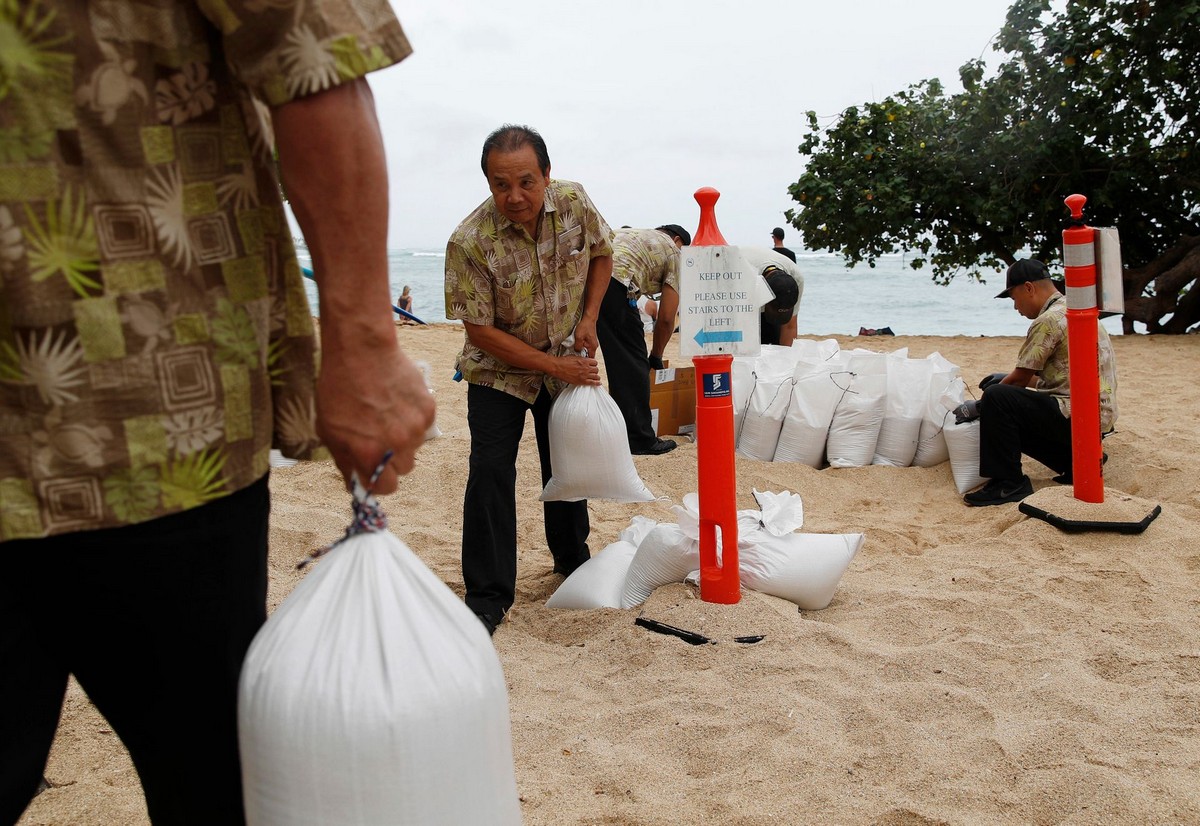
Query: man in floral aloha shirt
{"points": [[525, 273], [156, 343], [1028, 411]]}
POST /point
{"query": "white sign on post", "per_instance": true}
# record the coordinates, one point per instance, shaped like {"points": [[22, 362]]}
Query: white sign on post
{"points": [[1110, 288], [720, 296]]}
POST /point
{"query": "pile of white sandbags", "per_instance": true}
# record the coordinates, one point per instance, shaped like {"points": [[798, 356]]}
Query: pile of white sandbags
{"points": [[773, 557], [818, 405]]}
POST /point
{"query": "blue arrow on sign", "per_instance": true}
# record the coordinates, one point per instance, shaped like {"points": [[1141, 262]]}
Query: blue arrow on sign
{"points": [[705, 337]]}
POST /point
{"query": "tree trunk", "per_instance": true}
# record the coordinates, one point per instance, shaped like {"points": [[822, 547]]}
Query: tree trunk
{"points": [[1175, 292]]}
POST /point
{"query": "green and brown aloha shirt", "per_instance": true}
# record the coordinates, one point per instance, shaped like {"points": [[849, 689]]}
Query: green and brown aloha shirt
{"points": [[498, 276], [1045, 351], [155, 336], [645, 260]]}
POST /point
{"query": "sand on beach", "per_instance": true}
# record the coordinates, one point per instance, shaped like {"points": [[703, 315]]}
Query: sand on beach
{"points": [[975, 665]]}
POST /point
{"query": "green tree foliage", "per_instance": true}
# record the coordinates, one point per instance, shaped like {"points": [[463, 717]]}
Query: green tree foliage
{"points": [[1100, 98]]}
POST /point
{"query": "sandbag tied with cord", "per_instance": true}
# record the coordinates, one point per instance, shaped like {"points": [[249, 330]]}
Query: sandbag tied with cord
{"points": [[373, 695]]}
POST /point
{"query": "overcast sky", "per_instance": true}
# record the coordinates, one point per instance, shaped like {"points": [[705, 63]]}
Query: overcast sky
{"points": [[645, 102]]}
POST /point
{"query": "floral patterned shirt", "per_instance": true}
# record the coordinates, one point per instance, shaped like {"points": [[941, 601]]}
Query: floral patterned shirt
{"points": [[644, 260], [155, 338], [1045, 351], [499, 276]]}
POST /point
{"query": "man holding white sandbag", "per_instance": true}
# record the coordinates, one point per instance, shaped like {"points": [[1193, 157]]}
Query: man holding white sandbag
{"points": [[524, 271], [153, 295]]}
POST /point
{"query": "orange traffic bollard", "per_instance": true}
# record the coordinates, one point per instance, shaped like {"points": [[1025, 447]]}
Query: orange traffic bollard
{"points": [[1079, 257], [707, 233], [719, 580]]}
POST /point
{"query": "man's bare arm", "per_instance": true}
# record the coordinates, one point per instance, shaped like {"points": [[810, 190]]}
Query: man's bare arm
{"points": [[664, 324], [370, 397], [1021, 376], [599, 276], [511, 350]]}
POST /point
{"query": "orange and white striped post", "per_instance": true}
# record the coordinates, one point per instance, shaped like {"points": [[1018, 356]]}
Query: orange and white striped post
{"points": [[716, 471], [1079, 258]]}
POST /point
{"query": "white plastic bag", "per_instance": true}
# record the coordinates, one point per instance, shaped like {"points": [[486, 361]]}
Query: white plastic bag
{"points": [[589, 450], [778, 513], [600, 582], [931, 444], [803, 568], [854, 431], [770, 395], [962, 441], [773, 558], [374, 696], [815, 351], [815, 395], [667, 554], [741, 376], [907, 399]]}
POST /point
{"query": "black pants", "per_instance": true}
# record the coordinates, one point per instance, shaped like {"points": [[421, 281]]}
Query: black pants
{"points": [[619, 328], [489, 552], [1012, 421], [154, 621]]}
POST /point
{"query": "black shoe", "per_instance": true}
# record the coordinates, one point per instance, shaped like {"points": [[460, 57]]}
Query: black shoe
{"points": [[1000, 492], [656, 448], [490, 621]]}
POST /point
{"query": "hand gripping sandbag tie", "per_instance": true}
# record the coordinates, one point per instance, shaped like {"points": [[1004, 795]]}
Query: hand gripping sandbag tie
{"points": [[368, 515], [373, 695]]}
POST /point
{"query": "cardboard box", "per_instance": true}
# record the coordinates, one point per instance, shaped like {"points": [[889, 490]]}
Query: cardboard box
{"points": [[673, 400]]}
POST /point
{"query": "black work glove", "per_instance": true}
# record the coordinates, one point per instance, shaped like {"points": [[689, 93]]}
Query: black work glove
{"points": [[968, 411], [989, 380], [656, 363]]}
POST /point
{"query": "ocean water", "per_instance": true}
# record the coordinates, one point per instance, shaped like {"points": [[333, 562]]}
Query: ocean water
{"points": [[837, 299]]}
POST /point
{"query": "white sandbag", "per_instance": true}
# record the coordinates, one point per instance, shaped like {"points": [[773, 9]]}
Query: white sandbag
{"points": [[741, 376], [589, 450], [374, 696], [815, 351], [816, 391], [897, 443], [666, 555], [854, 431], [600, 582], [778, 513], [907, 399], [763, 419], [770, 395], [931, 443], [803, 568], [962, 441]]}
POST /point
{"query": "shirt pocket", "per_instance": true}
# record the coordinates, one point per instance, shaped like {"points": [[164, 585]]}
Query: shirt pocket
{"points": [[571, 254], [514, 299]]}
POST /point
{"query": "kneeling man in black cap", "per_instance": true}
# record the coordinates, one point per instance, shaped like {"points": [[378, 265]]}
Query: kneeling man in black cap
{"points": [[1028, 411]]}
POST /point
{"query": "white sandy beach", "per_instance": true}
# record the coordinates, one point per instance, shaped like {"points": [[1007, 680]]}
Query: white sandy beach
{"points": [[975, 666]]}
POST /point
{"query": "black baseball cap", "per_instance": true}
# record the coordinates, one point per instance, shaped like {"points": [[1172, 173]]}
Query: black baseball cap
{"points": [[676, 231], [787, 293], [1022, 272], [777, 233]]}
